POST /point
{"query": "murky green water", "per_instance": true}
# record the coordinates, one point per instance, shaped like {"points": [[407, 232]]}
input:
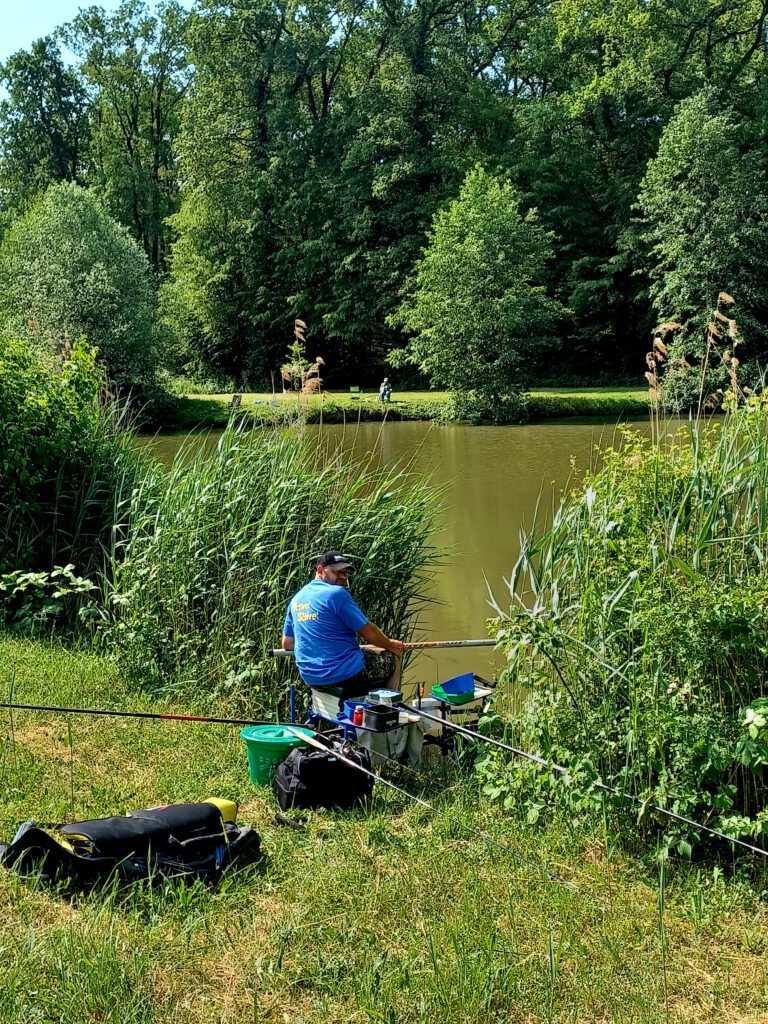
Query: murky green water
{"points": [[494, 478]]}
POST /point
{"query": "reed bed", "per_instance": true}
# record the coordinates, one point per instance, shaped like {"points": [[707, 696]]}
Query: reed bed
{"points": [[216, 545], [638, 626]]}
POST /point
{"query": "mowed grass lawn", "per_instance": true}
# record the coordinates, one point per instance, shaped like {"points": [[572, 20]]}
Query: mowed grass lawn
{"points": [[392, 914], [428, 397], [543, 404]]}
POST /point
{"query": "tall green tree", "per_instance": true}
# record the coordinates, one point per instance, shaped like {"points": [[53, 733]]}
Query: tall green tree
{"points": [[607, 77], [704, 200], [44, 125], [478, 312], [137, 68]]}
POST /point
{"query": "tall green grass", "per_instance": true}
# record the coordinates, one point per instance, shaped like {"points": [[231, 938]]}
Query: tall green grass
{"points": [[386, 914], [218, 543], [638, 625]]}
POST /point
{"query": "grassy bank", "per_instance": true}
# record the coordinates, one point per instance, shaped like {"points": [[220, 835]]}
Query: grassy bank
{"points": [[549, 403], [392, 915]]}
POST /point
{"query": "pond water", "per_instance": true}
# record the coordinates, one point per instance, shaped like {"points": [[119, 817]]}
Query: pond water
{"points": [[494, 479]]}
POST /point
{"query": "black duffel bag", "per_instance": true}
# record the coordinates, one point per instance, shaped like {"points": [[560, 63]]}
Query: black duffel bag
{"points": [[310, 778], [169, 840]]}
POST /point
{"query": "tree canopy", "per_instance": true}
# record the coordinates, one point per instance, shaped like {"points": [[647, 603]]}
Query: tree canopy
{"points": [[705, 203], [68, 269], [277, 161]]}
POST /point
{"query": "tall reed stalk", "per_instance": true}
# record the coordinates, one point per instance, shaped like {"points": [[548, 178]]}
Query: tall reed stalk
{"points": [[217, 544], [638, 622]]}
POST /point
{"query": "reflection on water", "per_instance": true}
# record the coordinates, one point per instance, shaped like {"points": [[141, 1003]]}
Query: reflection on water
{"points": [[494, 479]]}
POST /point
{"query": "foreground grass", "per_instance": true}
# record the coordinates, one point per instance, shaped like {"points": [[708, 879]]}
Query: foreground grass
{"points": [[548, 403], [393, 915]]}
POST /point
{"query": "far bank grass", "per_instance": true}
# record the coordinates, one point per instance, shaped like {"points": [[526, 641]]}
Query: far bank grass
{"points": [[547, 403], [390, 915]]}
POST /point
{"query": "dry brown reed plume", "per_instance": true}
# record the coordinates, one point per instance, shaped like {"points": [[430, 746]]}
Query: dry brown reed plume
{"points": [[654, 360], [299, 374], [717, 343], [721, 336]]}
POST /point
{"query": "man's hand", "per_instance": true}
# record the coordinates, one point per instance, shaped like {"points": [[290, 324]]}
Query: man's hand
{"points": [[373, 635], [287, 642]]}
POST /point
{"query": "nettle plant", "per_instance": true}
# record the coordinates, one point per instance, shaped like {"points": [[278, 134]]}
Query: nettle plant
{"points": [[31, 602]]}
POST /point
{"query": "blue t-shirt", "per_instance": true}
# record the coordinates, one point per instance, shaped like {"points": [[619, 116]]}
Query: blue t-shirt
{"points": [[323, 620]]}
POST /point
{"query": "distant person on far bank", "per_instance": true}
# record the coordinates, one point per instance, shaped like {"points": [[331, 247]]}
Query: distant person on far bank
{"points": [[385, 390], [321, 627]]}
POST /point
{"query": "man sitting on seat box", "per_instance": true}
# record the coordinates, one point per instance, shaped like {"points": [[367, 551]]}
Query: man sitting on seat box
{"points": [[321, 628]]}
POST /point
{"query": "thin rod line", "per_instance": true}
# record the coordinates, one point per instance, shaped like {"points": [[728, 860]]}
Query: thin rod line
{"points": [[137, 714], [598, 785]]}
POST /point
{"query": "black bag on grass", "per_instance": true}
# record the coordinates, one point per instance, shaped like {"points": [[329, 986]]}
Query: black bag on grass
{"points": [[174, 839], [310, 778]]}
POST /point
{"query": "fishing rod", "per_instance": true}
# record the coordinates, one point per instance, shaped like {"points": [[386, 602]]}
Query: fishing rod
{"points": [[598, 785], [404, 792], [138, 714], [416, 645], [168, 717], [165, 717]]}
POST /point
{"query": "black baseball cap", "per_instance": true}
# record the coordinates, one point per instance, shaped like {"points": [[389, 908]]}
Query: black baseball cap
{"points": [[334, 560]]}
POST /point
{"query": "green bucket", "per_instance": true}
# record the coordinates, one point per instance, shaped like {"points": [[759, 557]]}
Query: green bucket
{"points": [[267, 746]]}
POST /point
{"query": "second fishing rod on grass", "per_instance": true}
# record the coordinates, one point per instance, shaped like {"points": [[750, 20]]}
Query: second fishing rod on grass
{"points": [[450, 701]]}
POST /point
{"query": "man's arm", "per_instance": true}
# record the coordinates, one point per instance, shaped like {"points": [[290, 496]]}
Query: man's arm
{"points": [[286, 642], [373, 635]]}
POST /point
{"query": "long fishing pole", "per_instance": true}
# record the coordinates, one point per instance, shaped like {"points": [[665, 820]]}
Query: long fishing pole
{"points": [[416, 645], [249, 721], [137, 714], [166, 717], [598, 785], [404, 792]]}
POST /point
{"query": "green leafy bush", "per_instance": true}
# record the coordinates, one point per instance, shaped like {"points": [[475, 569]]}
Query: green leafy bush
{"points": [[67, 269], [477, 406], [557, 405], [64, 460], [220, 542], [32, 602], [685, 388], [639, 628]]}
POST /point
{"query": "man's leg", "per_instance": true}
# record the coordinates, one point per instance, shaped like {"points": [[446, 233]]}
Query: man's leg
{"points": [[394, 681], [380, 670]]}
